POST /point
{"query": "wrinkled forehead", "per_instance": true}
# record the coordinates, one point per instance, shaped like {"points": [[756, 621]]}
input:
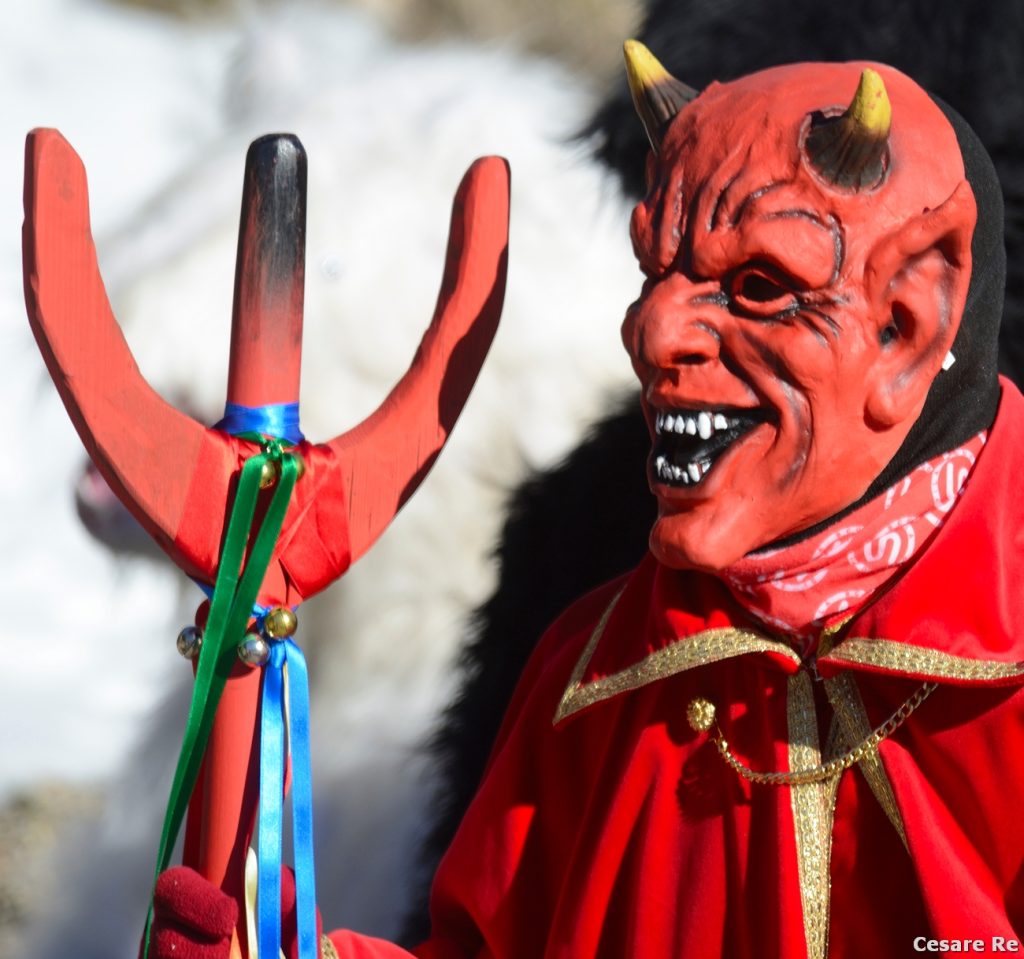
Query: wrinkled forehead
{"points": [[742, 140]]}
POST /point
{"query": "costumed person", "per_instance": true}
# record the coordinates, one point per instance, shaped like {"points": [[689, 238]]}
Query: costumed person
{"points": [[791, 730]]}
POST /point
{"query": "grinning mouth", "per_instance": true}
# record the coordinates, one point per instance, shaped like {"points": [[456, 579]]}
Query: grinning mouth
{"points": [[689, 442]]}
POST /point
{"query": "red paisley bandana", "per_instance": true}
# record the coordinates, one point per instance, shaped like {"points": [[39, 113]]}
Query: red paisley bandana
{"points": [[804, 588]]}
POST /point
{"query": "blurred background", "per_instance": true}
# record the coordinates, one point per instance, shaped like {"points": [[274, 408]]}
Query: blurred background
{"points": [[392, 99]]}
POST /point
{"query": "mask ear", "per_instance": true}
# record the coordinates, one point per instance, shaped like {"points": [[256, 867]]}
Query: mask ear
{"points": [[916, 281]]}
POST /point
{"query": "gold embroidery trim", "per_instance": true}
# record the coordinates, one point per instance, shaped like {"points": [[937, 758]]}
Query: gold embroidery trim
{"points": [[709, 646], [829, 634], [899, 657], [813, 806], [327, 950], [846, 700], [576, 680]]}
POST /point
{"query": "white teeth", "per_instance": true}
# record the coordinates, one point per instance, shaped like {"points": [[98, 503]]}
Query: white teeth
{"points": [[665, 470], [687, 475], [704, 423]]}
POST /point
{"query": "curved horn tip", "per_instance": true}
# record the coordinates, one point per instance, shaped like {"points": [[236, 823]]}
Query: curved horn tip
{"points": [[870, 107], [657, 95], [850, 151], [643, 68]]}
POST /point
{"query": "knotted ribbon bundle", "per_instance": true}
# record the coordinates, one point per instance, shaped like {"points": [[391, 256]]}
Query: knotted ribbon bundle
{"points": [[285, 719]]}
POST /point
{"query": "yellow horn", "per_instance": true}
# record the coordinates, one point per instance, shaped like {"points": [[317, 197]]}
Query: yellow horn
{"points": [[870, 108], [657, 95], [851, 150]]}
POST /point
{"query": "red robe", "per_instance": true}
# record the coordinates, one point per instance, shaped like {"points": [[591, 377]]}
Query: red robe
{"points": [[606, 827]]}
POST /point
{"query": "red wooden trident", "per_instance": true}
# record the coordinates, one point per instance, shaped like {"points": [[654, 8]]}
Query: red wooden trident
{"points": [[176, 475]]}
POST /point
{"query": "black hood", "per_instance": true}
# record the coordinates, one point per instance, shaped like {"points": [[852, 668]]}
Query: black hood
{"points": [[962, 401]]}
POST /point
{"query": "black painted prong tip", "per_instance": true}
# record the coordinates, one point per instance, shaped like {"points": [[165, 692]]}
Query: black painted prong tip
{"points": [[283, 143], [272, 228], [275, 151]]}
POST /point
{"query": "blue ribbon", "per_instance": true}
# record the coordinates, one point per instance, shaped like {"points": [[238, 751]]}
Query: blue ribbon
{"points": [[280, 420], [273, 749], [275, 727], [274, 419]]}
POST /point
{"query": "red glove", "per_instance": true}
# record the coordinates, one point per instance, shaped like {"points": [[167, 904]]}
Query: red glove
{"points": [[193, 919]]}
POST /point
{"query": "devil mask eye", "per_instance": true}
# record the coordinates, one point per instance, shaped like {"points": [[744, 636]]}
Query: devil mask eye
{"points": [[757, 291]]}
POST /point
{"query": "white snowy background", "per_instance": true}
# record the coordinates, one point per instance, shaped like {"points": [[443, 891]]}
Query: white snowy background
{"points": [[161, 111]]}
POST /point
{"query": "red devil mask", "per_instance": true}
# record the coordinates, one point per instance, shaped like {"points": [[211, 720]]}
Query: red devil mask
{"points": [[806, 241]]}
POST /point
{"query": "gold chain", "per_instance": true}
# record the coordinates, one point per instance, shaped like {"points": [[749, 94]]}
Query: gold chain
{"points": [[701, 713]]}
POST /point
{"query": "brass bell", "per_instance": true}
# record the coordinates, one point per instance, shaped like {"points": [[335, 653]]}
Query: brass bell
{"points": [[268, 474], [700, 714], [254, 650], [280, 622], [300, 466], [190, 640]]}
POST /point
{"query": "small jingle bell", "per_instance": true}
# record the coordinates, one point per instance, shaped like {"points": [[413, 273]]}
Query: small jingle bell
{"points": [[700, 714], [300, 466], [254, 650], [268, 474], [190, 640], [280, 622]]}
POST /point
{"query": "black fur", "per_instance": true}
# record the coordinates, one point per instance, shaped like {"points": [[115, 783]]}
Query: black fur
{"points": [[588, 520]]}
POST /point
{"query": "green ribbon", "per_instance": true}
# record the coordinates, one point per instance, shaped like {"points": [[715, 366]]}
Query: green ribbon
{"points": [[234, 594]]}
